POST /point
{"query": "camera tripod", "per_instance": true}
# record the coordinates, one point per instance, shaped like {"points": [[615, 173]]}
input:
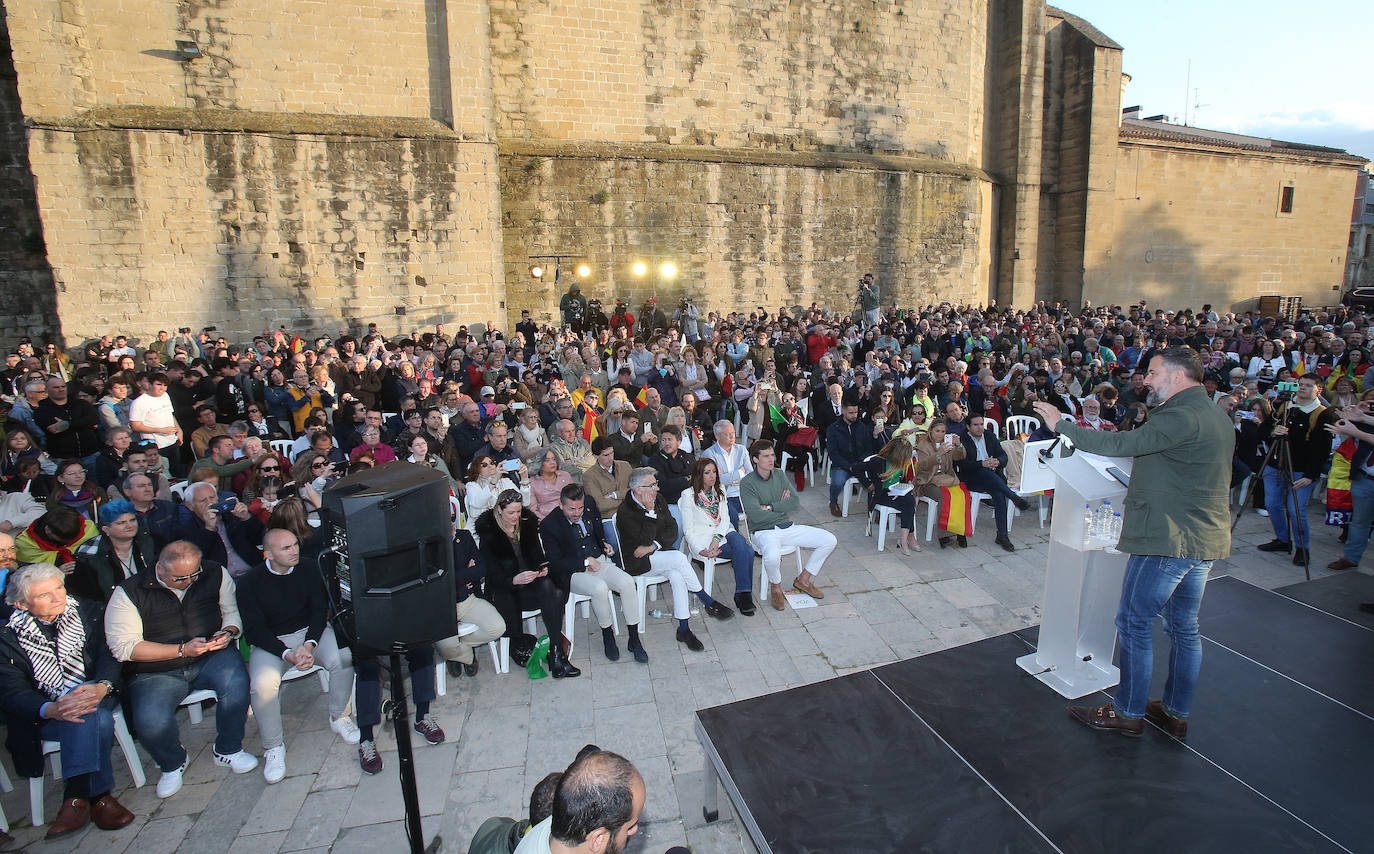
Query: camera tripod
{"points": [[1280, 458]]}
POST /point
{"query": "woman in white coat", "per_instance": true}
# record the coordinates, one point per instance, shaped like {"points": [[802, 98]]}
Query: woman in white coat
{"points": [[707, 532]]}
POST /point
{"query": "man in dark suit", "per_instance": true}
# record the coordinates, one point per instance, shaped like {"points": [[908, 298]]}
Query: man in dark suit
{"points": [[826, 408], [628, 442], [580, 561], [983, 469]]}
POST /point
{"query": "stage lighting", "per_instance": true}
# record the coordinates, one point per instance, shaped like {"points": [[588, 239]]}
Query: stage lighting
{"points": [[537, 271], [583, 271], [668, 270], [640, 268]]}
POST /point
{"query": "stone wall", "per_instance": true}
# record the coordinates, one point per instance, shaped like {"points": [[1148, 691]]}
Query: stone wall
{"points": [[744, 234], [846, 75], [248, 231], [30, 307], [1197, 224]]}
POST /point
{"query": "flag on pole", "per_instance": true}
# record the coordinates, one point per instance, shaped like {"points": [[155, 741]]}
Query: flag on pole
{"points": [[956, 509]]}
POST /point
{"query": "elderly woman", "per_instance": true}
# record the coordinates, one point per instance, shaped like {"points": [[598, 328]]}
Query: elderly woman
{"points": [[546, 483], [371, 436], [528, 437], [57, 682], [486, 481]]}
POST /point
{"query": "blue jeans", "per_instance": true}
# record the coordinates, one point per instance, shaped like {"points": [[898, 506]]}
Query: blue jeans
{"points": [[1172, 586], [154, 698], [677, 517], [86, 747], [988, 482], [741, 556], [1276, 494], [736, 508], [838, 476], [1361, 516]]}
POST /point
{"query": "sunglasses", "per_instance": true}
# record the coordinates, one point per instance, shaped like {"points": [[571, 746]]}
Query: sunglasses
{"points": [[318, 464], [269, 468]]}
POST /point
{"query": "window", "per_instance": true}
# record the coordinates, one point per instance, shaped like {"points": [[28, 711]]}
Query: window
{"points": [[1286, 200], [1369, 209], [1368, 245]]}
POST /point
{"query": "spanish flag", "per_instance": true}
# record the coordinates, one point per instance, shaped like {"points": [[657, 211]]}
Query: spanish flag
{"points": [[1338, 503], [956, 509], [642, 398], [589, 426]]}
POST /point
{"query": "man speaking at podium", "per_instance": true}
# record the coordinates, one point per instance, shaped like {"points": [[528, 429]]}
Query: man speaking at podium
{"points": [[1176, 522]]}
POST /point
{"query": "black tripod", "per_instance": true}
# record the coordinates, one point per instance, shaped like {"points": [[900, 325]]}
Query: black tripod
{"points": [[400, 720], [1279, 457]]}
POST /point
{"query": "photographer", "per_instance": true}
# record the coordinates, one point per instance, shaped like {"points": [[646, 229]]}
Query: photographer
{"points": [[868, 299], [596, 321], [688, 319], [1302, 422], [224, 531], [573, 306]]}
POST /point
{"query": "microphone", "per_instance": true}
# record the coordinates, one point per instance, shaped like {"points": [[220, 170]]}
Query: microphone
{"points": [[1047, 452]]}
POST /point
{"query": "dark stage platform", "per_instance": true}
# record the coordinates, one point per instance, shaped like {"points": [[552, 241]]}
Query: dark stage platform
{"points": [[962, 751]]}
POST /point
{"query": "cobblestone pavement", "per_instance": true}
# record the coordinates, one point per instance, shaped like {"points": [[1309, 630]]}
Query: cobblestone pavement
{"points": [[505, 732]]}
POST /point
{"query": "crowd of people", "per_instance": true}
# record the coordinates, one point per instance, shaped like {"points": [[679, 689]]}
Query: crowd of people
{"points": [[159, 525]]}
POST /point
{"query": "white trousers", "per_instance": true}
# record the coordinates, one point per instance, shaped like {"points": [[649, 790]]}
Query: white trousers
{"points": [[595, 585], [675, 566], [773, 541]]}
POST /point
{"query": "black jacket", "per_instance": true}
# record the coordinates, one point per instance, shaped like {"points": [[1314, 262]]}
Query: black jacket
{"points": [[637, 529], [469, 565], [244, 535], [966, 467], [503, 564], [21, 698], [562, 543], [98, 571], [674, 474]]}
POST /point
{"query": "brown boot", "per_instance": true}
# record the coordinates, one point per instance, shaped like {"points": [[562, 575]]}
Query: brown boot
{"points": [[776, 598], [835, 510], [74, 815], [110, 814]]}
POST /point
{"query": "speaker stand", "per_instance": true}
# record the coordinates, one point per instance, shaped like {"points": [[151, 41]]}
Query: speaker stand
{"points": [[400, 719]]}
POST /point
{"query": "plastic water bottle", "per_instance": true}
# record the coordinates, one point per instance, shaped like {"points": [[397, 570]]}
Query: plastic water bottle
{"points": [[1089, 519], [1104, 521], [1116, 527], [656, 613]]}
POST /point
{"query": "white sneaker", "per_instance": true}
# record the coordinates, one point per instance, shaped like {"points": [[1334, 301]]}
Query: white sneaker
{"points": [[240, 763], [170, 783], [274, 764], [346, 729]]}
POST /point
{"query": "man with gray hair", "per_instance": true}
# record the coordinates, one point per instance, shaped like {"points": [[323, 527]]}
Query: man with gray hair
{"points": [[732, 464], [647, 532], [57, 682], [574, 453]]}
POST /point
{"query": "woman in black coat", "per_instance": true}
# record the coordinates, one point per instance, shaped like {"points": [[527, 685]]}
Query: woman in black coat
{"points": [[518, 577]]}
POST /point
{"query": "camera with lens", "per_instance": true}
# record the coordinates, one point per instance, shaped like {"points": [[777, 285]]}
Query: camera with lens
{"points": [[1285, 391]]}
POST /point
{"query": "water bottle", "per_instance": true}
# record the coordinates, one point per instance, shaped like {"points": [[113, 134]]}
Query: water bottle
{"points": [[1116, 527], [1104, 521], [1088, 520], [656, 613]]}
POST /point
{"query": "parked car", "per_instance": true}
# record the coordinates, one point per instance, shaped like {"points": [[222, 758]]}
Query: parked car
{"points": [[1358, 298]]}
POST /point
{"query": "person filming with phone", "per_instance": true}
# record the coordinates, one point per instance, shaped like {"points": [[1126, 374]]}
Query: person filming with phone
{"points": [[224, 530]]}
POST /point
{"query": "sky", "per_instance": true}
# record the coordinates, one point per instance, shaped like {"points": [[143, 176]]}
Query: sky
{"points": [[1298, 72]]}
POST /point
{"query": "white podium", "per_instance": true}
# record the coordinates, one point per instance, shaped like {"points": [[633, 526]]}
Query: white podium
{"points": [[1082, 585]]}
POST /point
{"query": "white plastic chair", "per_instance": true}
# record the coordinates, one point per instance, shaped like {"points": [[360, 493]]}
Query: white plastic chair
{"points": [[570, 613], [52, 749], [527, 619], [810, 467], [887, 518], [646, 587], [996, 428], [178, 490], [193, 701], [853, 487], [933, 512], [441, 667], [762, 588], [1018, 424], [282, 447]]}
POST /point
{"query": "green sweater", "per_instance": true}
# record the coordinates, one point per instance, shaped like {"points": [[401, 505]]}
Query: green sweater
{"points": [[755, 493], [1178, 503]]}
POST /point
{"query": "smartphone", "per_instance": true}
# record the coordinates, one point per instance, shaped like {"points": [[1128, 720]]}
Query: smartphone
{"points": [[511, 465], [224, 506], [1120, 475], [517, 406]]}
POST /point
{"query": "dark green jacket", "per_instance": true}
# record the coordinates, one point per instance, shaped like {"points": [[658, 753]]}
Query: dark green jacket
{"points": [[1178, 503]]}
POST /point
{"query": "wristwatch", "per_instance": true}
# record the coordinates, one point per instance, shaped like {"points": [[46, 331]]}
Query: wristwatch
{"points": [[109, 686]]}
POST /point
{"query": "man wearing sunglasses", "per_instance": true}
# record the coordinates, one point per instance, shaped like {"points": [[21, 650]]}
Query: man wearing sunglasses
{"points": [[175, 627]]}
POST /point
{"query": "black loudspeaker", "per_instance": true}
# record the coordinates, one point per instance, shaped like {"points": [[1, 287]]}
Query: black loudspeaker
{"points": [[390, 531]]}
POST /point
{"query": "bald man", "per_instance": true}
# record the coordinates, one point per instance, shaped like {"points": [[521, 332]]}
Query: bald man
{"points": [[596, 808], [285, 619]]}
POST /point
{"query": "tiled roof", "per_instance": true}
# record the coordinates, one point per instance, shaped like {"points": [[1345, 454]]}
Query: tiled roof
{"points": [[1141, 129]]}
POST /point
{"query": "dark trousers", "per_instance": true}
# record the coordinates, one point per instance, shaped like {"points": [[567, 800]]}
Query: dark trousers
{"points": [[905, 505], [368, 684], [988, 481], [86, 746], [543, 595]]}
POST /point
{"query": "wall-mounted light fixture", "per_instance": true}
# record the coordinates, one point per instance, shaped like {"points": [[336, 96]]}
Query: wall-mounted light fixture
{"points": [[188, 50]]}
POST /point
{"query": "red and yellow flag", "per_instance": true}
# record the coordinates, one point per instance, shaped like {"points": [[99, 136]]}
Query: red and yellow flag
{"points": [[589, 426], [956, 509], [642, 398]]}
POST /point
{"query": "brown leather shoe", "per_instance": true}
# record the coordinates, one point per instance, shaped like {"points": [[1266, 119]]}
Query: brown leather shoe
{"points": [[835, 510], [74, 815], [776, 598], [808, 588], [1341, 563], [110, 814], [1155, 714], [1106, 718]]}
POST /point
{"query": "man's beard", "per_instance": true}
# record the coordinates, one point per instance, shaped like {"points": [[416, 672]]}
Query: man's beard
{"points": [[1154, 398]]}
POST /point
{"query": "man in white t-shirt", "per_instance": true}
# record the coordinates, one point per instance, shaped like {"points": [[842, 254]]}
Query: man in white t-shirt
{"points": [[152, 417]]}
